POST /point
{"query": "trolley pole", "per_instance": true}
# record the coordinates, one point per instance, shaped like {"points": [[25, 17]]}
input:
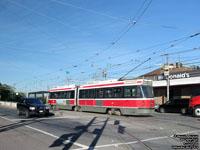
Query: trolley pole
{"points": [[168, 78]]}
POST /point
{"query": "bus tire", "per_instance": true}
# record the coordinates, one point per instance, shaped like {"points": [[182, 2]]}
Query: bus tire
{"points": [[196, 111]]}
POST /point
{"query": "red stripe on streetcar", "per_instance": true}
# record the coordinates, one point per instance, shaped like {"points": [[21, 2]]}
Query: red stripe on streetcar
{"points": [[128, 103], [81, 102], [119, 103], [100, 85], [139, 81], [52, 101], [63, 89], [71, 102], [87, 102]]}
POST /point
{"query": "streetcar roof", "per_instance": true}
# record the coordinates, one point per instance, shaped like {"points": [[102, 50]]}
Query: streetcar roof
{"points": [[112, 83], [63, 88]]}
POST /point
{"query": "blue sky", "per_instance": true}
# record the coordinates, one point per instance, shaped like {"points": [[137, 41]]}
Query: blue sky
{"points": [[41, 40]]}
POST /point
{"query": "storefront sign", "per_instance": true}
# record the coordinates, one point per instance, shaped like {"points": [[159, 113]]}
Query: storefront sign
{"points": [[175, 76], [179, 76]]}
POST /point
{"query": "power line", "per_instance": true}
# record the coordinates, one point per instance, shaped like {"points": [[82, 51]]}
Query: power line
{"points": [[134, 68], [109, 16], [44, 15], [129, 26]]}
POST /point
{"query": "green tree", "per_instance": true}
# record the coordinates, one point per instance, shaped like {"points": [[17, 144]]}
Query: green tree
{"points": [[7, 93]]}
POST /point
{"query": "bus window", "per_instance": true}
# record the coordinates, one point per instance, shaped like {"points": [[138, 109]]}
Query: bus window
{"points": [[31, 95], [148, 91]]}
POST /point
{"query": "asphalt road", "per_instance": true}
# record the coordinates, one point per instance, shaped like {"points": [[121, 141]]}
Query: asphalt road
{"points": [[81, 131]]}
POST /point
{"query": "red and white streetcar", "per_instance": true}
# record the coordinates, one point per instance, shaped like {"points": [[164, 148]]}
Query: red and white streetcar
{"points": [[63, 97], [127, 97]]}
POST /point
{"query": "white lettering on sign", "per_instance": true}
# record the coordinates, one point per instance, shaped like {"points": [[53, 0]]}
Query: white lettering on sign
{"points": [[179, 76]]}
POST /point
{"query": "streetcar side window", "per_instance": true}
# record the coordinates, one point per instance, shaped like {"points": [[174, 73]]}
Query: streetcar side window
{"points": [[117, 92], [99, 93], [91, 93], [148, 91], [132, 91], [52, 95], [65, 94], [70, 94], [108, 93], [139, 92], [129, 92], [61, 95], [83, 94]]}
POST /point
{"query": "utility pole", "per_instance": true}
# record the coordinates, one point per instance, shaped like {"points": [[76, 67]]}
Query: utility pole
{"points": [[104, 73], [68, 81], [166, 73], [96, 76]]}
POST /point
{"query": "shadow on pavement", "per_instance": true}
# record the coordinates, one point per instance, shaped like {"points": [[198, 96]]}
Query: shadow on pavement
{"points": [[16, 125], [73, 137]]}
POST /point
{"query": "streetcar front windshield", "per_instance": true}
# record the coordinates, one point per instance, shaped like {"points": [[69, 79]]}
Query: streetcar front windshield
{"points": [[148, 91]]}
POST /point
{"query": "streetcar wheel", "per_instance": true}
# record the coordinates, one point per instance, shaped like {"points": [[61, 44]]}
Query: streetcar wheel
{"points": [[79, 109], [197, 111], [109, 112], [75, 108], [162, 110], [118, 112]]}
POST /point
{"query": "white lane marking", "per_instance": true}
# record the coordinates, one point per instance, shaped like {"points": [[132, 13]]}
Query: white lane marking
{"points": [[49, 134], [64, 140], [53, 118], [156, 138], [134, 142]]}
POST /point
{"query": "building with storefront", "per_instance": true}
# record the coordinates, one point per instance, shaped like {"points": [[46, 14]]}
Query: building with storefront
{"points": [[184, 82]]}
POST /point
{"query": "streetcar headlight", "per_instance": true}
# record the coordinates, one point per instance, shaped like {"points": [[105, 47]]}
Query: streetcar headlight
{"points": [[32, 108]]}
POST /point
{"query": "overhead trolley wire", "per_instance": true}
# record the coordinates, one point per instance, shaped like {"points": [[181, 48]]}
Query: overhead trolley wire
{"points": [[124, 31], [134, 21], [44, 15], [109, 16]]}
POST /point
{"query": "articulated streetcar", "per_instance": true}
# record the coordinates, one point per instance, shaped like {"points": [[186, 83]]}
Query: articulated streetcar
{"points": [[63, 97], [129, 97]]}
